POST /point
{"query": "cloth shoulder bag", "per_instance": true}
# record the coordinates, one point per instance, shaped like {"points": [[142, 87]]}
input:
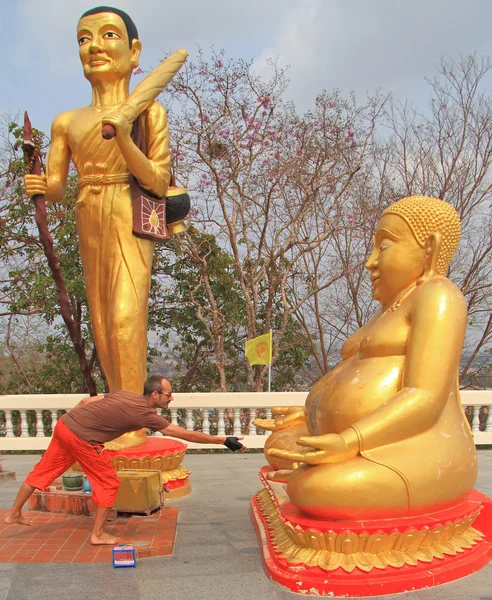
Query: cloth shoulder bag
{"points": [[149, 211]]}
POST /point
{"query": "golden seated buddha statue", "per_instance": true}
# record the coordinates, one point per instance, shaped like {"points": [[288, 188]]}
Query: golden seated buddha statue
{"points": [[383, 434]]}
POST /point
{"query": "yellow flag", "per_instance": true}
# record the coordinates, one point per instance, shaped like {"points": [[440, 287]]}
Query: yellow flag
{"points": [[259, 350]]}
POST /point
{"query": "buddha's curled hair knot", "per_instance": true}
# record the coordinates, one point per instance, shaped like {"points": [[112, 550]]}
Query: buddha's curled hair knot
{"points": [[426, 215]]}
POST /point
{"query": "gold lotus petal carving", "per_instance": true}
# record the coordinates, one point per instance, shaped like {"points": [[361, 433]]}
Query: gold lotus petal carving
{"points": [[329, 561], [349, 550], [410, 559], [364, 561], [348, 563], [394, 558], [168, 463]]}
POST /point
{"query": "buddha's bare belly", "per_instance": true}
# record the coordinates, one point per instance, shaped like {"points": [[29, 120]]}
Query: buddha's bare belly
{"points": [[352, 390], [355, 388]]}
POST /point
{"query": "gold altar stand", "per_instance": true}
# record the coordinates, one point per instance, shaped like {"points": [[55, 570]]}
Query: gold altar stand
{"points": [[158, 454], [140, 491]]}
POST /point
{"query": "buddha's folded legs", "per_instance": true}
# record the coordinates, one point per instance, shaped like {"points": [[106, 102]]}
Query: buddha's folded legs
{"points": [[350, 490]]}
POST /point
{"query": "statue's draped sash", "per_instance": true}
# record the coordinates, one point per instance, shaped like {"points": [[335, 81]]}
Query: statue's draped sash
{"points": [[116, 264]]}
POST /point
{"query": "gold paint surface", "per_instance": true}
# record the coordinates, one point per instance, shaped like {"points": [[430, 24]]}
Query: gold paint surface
{"points": [[180, 492], [140, 491], [168, 465], [128, 440], [383, 433], [176, 227]]}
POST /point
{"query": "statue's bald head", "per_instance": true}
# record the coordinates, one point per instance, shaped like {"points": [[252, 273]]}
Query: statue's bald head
{"points": [[426, 215], [131, 28]]}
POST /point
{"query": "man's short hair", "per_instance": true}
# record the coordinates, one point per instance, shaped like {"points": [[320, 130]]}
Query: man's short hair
{"points": [[131, 28], [153, 384]]}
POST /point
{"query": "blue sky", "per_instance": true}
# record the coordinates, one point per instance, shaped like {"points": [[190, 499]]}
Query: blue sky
{"points": [[355, 45]]}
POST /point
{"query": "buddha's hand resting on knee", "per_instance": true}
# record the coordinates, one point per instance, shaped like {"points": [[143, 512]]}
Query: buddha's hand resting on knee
{"points": [[288, 416], [328, 448]]}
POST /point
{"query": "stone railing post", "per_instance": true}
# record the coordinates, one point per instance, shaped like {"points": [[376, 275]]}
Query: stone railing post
{"points": [[24, 428], [189, 419], [237, 422], [206, 421], [252, 417], [39, 424], [9, 428], [221, 423], [54, 419], [476, 419]]}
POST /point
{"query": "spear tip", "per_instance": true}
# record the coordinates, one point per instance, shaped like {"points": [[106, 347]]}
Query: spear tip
{"points": [[28, 141]]}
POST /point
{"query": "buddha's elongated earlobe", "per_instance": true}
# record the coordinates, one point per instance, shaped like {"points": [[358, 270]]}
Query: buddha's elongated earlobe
{"points": [[432, 248], [136, 49]]}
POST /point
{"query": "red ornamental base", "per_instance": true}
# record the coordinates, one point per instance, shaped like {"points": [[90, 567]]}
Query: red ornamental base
{"points": [[370, 558], [154, 446], [161, 454], [177, 484]]}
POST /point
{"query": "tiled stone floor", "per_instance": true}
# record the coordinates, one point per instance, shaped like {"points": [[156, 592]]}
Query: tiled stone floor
{"points": [[58, 538]]}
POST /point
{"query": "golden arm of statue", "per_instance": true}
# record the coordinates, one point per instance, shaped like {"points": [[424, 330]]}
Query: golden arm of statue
{"points": [[328, 448], [288, 416], [152, 175], [52, 185], [438, 323]]}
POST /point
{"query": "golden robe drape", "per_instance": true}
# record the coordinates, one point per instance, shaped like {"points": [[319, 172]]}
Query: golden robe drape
{"points": [[116, 264]]}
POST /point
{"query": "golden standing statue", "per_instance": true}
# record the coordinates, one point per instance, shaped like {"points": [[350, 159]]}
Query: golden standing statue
{"points": [[116, 264], [386, 434]]}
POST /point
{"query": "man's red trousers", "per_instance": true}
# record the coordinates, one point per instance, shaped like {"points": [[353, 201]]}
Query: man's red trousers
{"points": [[65, 448]]}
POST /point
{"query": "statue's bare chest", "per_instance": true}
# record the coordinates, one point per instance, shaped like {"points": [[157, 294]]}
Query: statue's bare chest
{"points": [[388, 336]]}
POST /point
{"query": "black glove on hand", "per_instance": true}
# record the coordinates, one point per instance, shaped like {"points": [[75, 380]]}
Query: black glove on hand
{"points": [[232, 443]]}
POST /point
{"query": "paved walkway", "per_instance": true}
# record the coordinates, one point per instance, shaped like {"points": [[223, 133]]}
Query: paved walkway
{"points": [[59, 538], [216, 555]]}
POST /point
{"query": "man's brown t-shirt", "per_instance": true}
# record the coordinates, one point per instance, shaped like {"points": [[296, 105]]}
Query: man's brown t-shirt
{"points": [[117, 413]]}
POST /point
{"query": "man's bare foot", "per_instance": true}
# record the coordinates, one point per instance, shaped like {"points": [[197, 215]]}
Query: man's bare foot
{"points": [[16, 519], [105, 539]]}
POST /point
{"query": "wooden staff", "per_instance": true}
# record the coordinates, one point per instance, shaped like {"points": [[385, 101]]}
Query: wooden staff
{"points": [[31, 154]]}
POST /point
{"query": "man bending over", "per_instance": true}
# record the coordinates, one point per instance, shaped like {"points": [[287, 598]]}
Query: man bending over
{"points": [[79, 436]]}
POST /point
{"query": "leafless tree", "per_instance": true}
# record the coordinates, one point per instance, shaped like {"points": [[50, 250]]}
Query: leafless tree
{"points": [[447, 153], [273, 186]]}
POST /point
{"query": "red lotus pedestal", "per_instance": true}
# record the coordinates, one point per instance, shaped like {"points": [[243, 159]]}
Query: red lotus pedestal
{"points": [[369, 558], [160, 454]]}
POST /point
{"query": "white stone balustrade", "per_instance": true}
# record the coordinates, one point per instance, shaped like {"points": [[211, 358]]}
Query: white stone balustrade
{"points": [[226, 407]]}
